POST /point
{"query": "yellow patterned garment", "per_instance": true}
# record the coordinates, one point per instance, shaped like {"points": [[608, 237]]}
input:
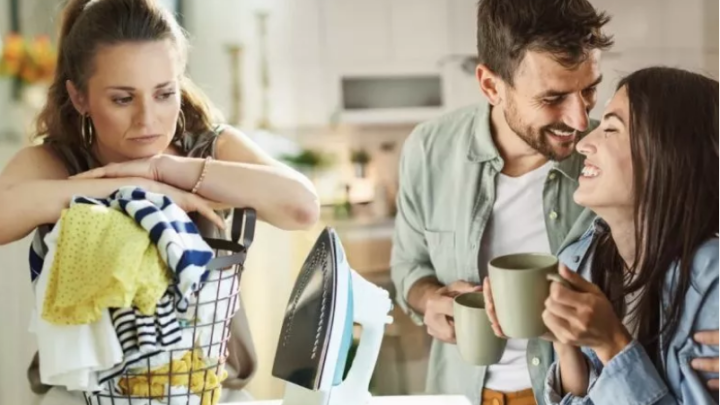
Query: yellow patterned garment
{"points": [[103, 259], [203, 380]]}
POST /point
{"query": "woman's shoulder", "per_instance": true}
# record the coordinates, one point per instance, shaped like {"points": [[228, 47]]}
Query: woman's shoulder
{"points": [[704, 266], [203, 143], [574, 254], [37, 162]]}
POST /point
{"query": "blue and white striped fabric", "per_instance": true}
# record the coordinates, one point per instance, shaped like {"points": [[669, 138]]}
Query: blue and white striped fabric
{"points": [[177, 238]]}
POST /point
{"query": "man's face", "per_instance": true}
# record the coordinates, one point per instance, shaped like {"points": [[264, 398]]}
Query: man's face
{"points": [[548, 104]]}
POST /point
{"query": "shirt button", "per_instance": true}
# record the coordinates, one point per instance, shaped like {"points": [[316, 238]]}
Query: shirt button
{"points": [[553, 215], [535, 361], [552, 176]]}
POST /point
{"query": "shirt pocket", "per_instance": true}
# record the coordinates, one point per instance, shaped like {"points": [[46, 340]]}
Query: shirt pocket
{"points": [[441, 247]]}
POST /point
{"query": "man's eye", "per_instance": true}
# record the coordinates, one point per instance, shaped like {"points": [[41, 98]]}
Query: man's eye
{"points": [[553, 100]]}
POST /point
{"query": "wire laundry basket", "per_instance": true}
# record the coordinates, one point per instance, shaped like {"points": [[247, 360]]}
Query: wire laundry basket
{"points": [[192, 371]]}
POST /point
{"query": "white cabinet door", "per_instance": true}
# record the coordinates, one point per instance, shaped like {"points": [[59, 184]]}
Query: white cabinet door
{"points": [[634, 24], [303, 31], [462, 27], [419, 29], [357, 31]]}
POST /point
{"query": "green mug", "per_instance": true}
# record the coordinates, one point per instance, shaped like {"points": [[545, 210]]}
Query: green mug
{"points": [[476, 341], [520, 285]]}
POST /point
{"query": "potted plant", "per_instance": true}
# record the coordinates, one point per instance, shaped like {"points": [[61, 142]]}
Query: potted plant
{"points": [[360, 159], [307, 161]]}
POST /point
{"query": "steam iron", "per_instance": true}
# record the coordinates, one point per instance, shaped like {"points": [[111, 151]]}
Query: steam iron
{"points": [[317, 331]]}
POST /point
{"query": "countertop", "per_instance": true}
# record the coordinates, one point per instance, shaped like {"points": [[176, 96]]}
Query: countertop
{"points": [[393, 400]]}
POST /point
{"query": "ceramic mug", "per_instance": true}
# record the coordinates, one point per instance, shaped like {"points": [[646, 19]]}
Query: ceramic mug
{"points": [[475, 338], [520, 285]]}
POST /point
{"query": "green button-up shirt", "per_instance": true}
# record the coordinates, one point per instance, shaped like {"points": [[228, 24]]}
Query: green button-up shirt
{"points": [[447, 192]]}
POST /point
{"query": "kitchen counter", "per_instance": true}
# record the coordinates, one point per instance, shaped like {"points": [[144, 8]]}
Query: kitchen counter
{"points": [[393, 400], [362, 227]]}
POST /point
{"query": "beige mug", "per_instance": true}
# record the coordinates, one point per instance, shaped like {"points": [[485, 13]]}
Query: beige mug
{"points": [[520, 285], [475, 338]]}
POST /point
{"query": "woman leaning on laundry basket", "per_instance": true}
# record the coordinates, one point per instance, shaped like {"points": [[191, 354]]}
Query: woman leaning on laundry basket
{"points": [[121, 111]]}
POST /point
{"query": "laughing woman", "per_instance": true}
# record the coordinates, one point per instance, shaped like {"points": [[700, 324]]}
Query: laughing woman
{"points": [[646, 274]]}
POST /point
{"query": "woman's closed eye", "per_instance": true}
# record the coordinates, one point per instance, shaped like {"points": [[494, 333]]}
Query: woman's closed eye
{"points": [[608, 131]]}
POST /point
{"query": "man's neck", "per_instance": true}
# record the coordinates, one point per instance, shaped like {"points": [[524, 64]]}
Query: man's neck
{"points": [[518, 156]]}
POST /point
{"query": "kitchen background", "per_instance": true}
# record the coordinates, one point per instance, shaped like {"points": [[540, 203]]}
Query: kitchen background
{"points": [[333, 87]]}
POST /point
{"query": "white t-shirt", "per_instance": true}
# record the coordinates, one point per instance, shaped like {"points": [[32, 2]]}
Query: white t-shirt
{"points": [[517, 225]]}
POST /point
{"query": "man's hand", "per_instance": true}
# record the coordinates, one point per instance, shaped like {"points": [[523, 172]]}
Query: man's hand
{"points": [[439, 309], [708, 364]]}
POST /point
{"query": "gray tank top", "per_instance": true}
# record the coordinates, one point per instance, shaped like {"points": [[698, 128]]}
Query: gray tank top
{"points": [[242, 359]]}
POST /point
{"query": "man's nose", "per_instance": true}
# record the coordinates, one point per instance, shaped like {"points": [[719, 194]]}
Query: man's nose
{"points": [[576, 115]]}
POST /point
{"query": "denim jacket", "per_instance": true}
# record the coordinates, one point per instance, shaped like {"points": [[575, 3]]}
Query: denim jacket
{"points": [[631, 378]]}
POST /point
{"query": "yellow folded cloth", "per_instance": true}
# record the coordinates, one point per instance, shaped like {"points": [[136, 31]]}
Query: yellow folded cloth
{"points": [[203, 380], [103, 259]]}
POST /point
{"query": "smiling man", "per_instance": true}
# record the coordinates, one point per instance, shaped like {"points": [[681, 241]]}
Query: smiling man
{"points": [[498, 178]]}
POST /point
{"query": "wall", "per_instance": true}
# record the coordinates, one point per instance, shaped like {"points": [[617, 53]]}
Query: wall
{"points": [[16, 343]]}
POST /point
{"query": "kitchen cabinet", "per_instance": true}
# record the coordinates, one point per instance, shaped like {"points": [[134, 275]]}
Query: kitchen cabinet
{"points": [[418, 30], [356, 31], [314, 45], [384, 32], [462, 27]]}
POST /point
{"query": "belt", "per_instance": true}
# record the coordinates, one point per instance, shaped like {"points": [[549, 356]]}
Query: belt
{"points": [[524, 397]]}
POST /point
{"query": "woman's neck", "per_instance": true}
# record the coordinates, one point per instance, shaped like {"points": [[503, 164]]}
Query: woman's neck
{"points": [[622, 231]]}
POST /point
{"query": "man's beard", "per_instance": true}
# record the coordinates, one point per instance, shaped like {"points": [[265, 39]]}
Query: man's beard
{"points": [[538, 138]]}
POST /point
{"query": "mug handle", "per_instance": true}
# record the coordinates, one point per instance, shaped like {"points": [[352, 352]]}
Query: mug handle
{"points": [[558, 279]]}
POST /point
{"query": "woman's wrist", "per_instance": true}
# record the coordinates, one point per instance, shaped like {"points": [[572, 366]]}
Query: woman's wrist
{"points": [[617, 342], [564, 350], [178, 171]]}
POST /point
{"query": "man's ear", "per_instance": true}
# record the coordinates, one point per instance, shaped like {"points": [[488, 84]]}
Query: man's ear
{"points": [[77, 98], [490, 84]]}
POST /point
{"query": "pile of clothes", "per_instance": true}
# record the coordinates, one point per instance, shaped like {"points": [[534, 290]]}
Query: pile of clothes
{"points": [[121, 301]]}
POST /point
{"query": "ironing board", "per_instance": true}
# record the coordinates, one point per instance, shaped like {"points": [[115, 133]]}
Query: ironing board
{"points": [[392, 400]]}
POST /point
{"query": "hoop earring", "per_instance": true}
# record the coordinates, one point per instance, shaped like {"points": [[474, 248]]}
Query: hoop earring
{"points": [[180, 130], [86, 130]]}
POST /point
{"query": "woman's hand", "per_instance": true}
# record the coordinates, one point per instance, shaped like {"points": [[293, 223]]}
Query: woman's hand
{"points": [[145, 168], [584, 317], [189, 202]]}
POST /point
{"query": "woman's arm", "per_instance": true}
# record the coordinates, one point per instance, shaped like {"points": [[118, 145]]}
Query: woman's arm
{"points": [[573, 370], [241, 176], [245, 176], [34, 190]]}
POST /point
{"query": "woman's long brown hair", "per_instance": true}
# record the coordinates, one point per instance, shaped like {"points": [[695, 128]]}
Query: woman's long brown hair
{"points": [[674, 146], [88, 25]]}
